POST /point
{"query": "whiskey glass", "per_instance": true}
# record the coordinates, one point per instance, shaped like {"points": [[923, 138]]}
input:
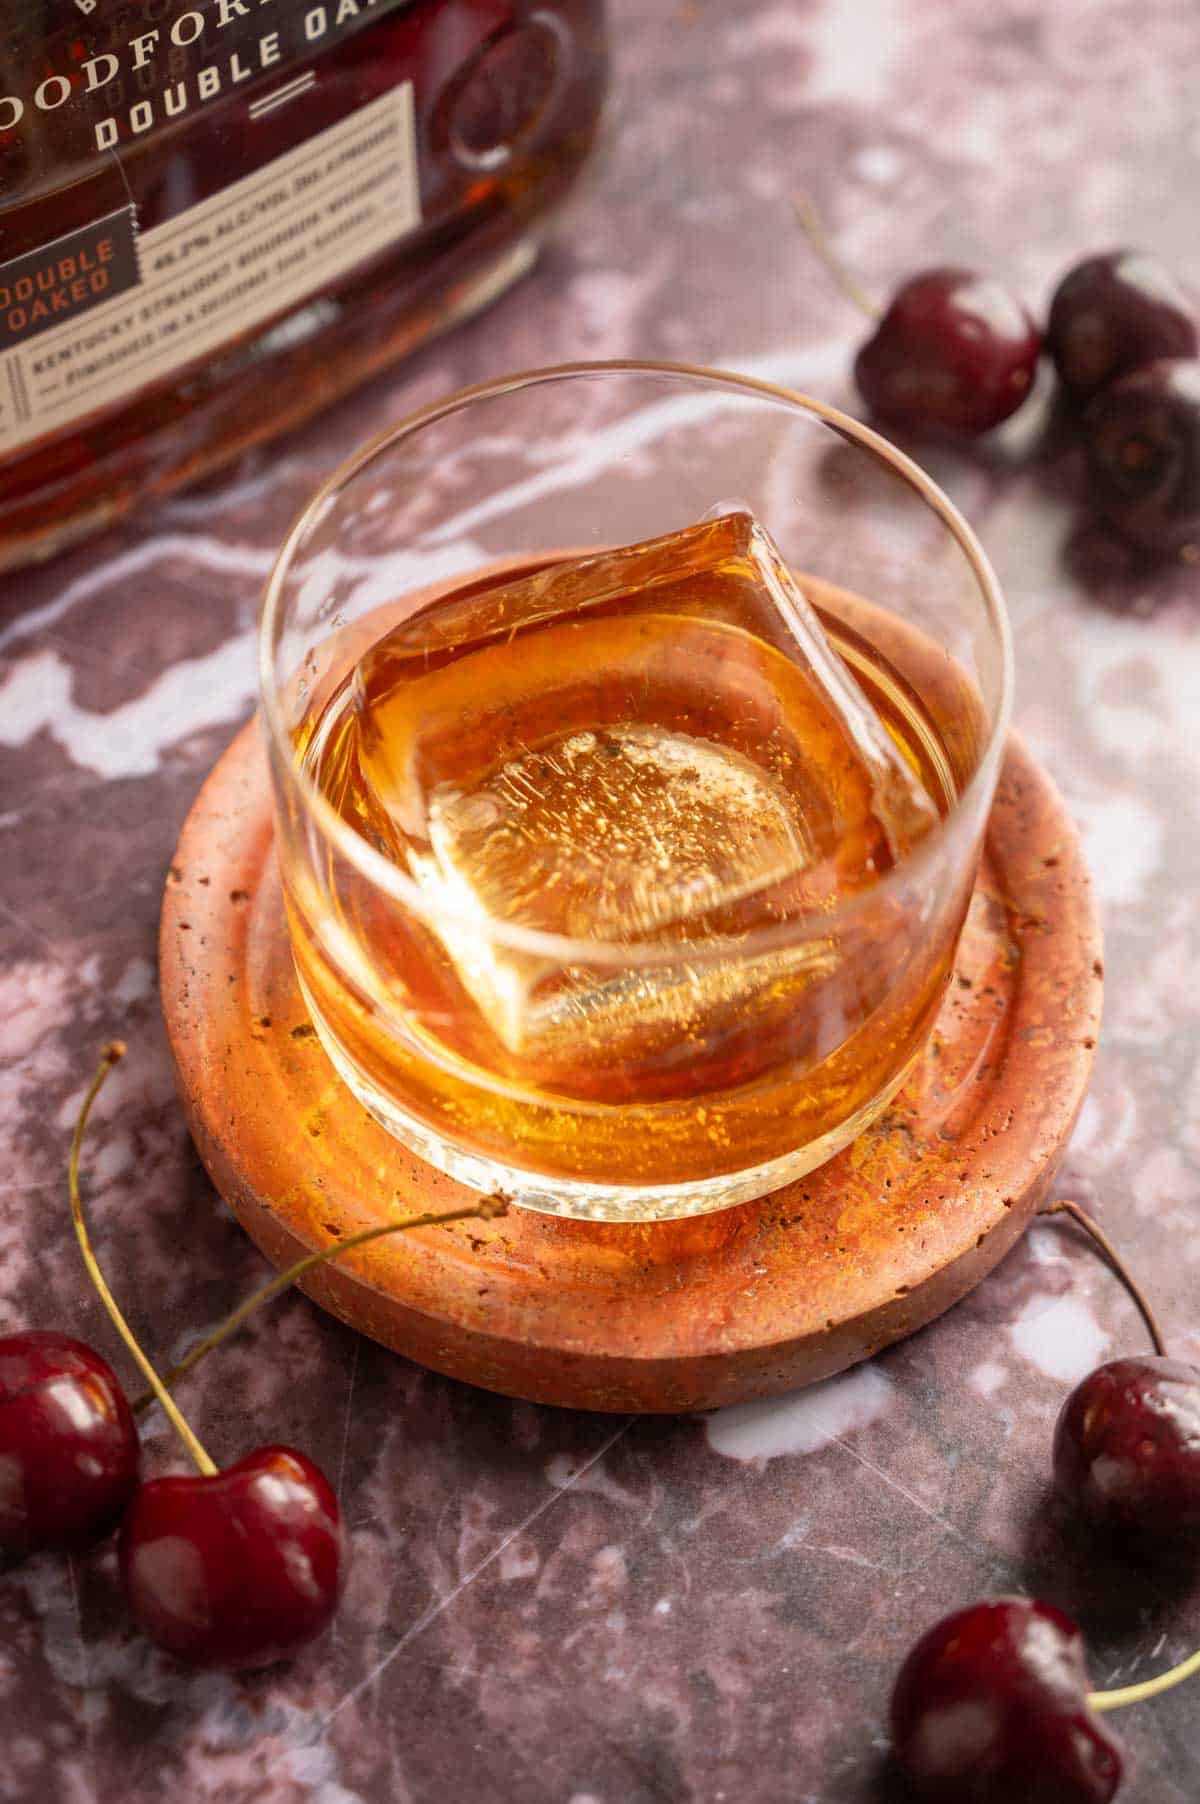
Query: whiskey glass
{"points": [[700, 1026]]}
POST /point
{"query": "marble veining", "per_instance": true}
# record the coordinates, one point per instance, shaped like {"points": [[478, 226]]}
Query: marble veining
{"points": [[562, 1609]]}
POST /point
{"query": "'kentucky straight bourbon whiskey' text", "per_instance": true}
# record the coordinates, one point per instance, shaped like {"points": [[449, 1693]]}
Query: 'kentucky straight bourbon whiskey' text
{"points": [[218, 215]]}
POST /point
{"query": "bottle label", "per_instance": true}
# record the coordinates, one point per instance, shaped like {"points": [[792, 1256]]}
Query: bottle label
{"points": [[103, 310], [100, 75]]}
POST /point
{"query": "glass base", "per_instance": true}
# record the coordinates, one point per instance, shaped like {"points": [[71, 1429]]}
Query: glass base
{"points": [[572, 1197]]}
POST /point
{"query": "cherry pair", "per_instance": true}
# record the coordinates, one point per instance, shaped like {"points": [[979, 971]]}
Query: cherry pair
{"points": [[993, 1704], [955, 352], [235, 1568]]}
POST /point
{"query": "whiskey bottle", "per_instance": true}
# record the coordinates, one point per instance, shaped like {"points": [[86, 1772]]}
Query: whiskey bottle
{"points": [[216, 216]]}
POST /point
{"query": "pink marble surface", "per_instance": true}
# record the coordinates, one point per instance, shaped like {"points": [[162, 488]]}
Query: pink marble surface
{"points": [[564, 1609]]}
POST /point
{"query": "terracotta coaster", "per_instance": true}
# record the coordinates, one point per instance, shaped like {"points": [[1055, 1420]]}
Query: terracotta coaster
{"points": [[667, 1316]]}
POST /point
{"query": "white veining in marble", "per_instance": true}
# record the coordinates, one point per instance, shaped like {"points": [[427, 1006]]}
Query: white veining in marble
{"points": [[802, 1422], [1062, 1337]]}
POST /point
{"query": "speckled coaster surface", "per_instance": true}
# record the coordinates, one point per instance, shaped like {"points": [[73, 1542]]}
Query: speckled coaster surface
{"points": [[669, 1316]]}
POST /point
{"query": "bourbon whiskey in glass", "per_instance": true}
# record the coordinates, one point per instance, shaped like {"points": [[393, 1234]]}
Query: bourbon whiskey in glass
{"points": [[626, 878]]}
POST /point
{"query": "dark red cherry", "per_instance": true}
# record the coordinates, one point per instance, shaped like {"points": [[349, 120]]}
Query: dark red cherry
{"points": [[69, 1450], [1142, 437], [1113, 314], [991, 1708], [1127, 1452], [953, 353], [237, 1570]]}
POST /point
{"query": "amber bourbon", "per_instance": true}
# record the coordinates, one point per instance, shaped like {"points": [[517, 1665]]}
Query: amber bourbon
{"points": [[217, 216], [647, 804]]}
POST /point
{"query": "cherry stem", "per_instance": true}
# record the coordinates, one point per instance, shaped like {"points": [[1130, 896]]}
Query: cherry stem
{"points": [[1136, 1293], [1149, 1688], [488, 1208], [813, 228], [112, 1055]]}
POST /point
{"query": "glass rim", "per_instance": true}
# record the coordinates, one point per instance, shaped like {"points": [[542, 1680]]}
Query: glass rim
{"points": [[561, 948]]}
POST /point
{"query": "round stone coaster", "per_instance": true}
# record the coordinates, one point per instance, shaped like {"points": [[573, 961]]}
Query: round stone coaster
{"points": [[666, 1316]]}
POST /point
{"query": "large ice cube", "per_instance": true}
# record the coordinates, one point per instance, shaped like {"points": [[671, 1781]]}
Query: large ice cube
{"points": [[616, 833], [652, 744]]}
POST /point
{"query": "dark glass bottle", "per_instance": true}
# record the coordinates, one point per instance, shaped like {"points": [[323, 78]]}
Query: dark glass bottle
{"points": [[216, 216]]}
